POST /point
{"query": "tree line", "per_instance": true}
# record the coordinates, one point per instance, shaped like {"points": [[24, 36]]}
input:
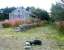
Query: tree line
{"points": [[6, 11], [35, 13], [57, 11]]}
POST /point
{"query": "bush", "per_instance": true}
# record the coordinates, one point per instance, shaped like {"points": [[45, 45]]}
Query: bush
{"points": [[18, 22], [15, 23], [12, 23], [6, 24], [38, 22], [60, 26], [28, 21]]}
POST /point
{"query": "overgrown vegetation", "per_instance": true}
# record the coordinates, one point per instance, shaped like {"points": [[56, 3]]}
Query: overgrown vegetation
{"points": [[57, 15], [57, 12], [60, 27], [44, 33], [5, 13], [38, 13]]}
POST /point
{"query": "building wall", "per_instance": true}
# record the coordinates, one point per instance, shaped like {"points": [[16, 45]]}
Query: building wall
{"points": [[19, 13]]}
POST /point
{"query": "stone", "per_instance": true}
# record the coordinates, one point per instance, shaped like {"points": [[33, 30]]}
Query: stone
{"points": [[27, 46], [23, 27], [17, 29]]}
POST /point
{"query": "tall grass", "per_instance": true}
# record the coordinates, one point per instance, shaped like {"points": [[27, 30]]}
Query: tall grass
{"points": [[60, 26]]}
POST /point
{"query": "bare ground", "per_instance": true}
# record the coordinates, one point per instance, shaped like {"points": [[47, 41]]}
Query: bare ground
{"points": [[12, 43]]}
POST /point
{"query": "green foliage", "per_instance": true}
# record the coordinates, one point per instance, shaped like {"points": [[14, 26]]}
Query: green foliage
{"points": [[59, 26], [42, 14], [6, 25], [8, 10], [57, 12], [5, 14], [38, 13], [61, 30]]}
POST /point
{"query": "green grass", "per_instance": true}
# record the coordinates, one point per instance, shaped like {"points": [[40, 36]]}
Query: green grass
{"points": [[44, 33]]}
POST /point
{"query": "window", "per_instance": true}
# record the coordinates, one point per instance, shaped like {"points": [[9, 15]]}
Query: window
{"points": [[18, 10]]}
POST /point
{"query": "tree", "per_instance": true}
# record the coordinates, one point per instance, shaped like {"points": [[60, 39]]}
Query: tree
{"points": [[5, 14], [39, 13], [42, 15], [8, 10], [57, 11]]}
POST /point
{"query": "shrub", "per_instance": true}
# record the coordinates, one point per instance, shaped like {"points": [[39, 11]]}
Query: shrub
{"points": [[6, 24], [39, 22], [18, 22], [28, 21], [12, 23], [60, 26]]}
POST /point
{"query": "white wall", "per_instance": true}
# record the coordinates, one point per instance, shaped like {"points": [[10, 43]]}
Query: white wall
{"points": [[23, 14]]}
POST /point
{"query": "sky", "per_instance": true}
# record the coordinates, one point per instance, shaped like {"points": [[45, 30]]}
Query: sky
{"points": [[43, 4]]}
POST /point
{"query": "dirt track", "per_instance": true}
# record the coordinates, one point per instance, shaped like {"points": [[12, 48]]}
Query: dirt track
{"points": [[18, 44]]}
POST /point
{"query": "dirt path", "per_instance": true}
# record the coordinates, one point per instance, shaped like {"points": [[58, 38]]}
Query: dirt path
{"points": [[18, 44], [10, 40]]}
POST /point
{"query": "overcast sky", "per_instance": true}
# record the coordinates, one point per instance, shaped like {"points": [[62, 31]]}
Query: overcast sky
{"points": [[43, 4]]}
